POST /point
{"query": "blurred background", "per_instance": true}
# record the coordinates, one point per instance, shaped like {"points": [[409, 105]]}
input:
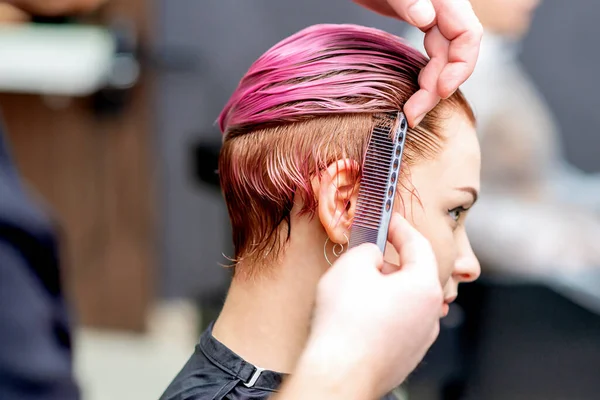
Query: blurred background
{"points": [[111, 121]]}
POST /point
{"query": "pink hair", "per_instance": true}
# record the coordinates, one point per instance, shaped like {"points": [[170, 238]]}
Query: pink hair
{"points": [[323, 69], [305, 103]]}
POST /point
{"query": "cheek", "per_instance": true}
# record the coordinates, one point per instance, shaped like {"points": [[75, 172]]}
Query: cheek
{"points": [[445, 253], [436, 229], [442, 253]]}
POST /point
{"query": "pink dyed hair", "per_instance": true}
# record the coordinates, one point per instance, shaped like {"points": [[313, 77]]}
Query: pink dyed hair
{"points": [[305, 103], [323, 70]]}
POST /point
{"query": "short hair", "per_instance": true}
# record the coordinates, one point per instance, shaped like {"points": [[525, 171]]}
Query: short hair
{"points": [[306, 102]]}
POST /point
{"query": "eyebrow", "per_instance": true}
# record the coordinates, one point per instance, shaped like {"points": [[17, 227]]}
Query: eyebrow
{"points": [[471, 191]]}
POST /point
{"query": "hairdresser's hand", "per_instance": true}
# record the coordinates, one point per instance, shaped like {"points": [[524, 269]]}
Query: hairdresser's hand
{"points": [[371, 329], [53, 8], [452, 38]]}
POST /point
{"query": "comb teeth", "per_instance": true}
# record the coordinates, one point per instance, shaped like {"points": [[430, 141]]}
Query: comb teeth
{"points": [[378, 185]]}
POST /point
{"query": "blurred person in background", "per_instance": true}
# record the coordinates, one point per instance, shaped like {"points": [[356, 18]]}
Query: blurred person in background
{"points": [[35, 336], [539, 216]]}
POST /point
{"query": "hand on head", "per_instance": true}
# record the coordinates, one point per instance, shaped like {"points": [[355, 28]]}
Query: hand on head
{"points": [[452, 39], [373, 321]]}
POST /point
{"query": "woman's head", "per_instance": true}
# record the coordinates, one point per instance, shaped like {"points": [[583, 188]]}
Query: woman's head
{"points": [[295, 135]]}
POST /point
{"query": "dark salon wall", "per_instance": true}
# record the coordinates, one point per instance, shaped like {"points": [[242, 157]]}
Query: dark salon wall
{"points": [[225, 36]]}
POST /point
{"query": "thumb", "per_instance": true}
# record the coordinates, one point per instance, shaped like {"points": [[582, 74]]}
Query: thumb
{"points": [[366, 255], [358, 262], [414, 249], [419, 13]]}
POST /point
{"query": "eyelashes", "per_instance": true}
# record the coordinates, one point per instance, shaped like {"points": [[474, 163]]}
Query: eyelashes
{"points": [[456, 213]]}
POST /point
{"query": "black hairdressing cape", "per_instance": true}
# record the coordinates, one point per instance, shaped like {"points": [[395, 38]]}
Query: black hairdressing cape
{"points": [[214, 372]]}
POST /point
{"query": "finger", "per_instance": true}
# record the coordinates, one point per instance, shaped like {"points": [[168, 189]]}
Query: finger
{"points": [[419, 13], [389, 268], [436, 46], [458, 23], [427, 97], [365, 255], [414, 250], [418, 105]]}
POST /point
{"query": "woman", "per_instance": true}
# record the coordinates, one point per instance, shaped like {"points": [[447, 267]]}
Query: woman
{"points": [[295, 133], [529, 225]]}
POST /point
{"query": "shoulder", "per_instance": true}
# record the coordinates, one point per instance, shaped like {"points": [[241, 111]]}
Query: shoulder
{"points": [[20, 215], [198, 379], [26, 230], [24, 224], [201, 379], [18, 212]]}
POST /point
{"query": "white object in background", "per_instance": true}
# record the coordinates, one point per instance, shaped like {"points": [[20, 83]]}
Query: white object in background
{"points": [[112, 365], [64, 60]]}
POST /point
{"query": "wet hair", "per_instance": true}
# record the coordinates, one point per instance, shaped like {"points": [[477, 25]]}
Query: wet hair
{"points": [[305, 103]]}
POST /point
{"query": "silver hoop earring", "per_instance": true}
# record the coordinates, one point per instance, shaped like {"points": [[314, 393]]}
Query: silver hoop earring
{"points": [[336, 251]]}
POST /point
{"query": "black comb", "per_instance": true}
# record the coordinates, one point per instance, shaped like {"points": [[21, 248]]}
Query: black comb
{"points": [[380, 174]]}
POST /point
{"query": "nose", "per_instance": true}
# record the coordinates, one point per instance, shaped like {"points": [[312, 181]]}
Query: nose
{"points": [[466, 268]]}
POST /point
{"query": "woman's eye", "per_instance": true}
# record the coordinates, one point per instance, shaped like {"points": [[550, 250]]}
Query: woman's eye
{"points": [[455, 213]]}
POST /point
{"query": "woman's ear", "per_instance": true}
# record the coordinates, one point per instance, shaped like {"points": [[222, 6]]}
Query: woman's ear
{"points": [[337, 193]]}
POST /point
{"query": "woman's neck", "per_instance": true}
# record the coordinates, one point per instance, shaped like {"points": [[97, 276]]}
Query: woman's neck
{"points": [[266, 320]]}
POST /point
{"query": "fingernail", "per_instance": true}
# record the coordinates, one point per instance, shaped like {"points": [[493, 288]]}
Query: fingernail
{"points": [[421, 13], [419, 119]]}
